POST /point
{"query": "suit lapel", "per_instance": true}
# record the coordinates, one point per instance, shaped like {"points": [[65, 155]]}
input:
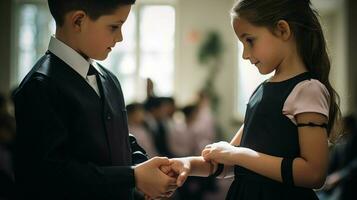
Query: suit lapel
{"points": [[62, 72]]}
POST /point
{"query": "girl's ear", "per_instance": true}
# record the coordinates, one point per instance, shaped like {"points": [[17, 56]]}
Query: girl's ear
{"points": [[77, 18], [283, 30]]}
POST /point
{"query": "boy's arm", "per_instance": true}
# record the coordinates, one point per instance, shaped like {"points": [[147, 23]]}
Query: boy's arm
{"points": [[138, 154], [41, 154], [41, 157]]}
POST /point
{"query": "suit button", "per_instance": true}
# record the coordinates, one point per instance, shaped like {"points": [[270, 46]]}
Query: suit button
{"points": [[109, 117]]}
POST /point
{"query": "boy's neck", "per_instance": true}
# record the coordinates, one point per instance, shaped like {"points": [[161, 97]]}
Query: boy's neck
{"points": [[69, 39]]}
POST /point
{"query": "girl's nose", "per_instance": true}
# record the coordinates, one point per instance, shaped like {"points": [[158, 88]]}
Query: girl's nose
{"points": [[245, 54]]}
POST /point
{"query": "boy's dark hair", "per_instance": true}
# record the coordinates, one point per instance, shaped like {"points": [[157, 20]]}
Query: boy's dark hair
{"points": [[307, 31], [93, 8]]}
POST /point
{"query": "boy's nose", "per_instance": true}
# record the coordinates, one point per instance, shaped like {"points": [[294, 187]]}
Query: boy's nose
{"points": [[119, 37]]}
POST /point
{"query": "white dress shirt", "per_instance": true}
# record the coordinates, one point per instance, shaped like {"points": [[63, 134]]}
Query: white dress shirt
{"points": [[75, 61]]}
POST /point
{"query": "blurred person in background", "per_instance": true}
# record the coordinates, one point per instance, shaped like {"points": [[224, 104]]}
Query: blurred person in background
{"points": [[341, 183], [204, 126], [136, 115], [154, 123], [186, 141], [182, 142]]}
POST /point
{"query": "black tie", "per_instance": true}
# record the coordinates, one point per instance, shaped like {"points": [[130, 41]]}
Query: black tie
{"points": [[91, 71]]}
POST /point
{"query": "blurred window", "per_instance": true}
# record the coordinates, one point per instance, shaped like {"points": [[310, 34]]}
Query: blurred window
{"points": [[147, 51]]}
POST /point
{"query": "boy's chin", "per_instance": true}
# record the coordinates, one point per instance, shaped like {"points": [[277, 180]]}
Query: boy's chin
{"points": [[100, 57]]}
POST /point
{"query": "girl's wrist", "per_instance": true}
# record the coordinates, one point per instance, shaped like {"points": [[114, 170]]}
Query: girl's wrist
{"points": [[234, 155]]}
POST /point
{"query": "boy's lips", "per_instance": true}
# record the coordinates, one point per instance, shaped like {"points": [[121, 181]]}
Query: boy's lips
{"points": [[111, 47]]}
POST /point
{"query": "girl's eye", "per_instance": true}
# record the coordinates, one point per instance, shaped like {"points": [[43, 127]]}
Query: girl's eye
{"points": [[250, 41]]}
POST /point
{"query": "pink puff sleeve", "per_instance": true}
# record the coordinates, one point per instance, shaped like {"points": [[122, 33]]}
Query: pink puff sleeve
{"points": [[307, 96]]}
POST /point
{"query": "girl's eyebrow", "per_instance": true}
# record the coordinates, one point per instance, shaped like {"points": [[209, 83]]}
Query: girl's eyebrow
{"points": [[243, 35]]}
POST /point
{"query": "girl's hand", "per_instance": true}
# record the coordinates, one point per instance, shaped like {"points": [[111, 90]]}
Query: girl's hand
{"points": [[220, 152], [181, 167]]}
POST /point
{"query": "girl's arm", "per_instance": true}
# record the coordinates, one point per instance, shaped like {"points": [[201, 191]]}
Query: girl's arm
{"points": [[228, 170], [188, 166], [309, 169], [198, 166], [236, 139]]}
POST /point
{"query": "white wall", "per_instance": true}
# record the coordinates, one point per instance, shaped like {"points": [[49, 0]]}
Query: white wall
{"points": [[199, 17], [333, 19]]}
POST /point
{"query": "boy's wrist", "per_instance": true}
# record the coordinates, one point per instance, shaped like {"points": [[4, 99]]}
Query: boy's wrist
{"points": [[133, 175], [137, 175]]}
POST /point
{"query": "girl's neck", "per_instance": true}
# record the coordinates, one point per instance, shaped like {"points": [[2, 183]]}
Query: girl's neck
{"points": [[290, 66]]}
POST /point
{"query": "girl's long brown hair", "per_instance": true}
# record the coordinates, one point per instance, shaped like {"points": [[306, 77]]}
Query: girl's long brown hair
{"points": [[310, 40]]}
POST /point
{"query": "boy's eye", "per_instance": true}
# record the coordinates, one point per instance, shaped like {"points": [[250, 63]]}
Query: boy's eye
{"points": [[114, 27]]}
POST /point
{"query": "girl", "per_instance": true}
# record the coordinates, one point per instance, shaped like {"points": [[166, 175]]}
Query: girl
{"points": [[281, 151]]}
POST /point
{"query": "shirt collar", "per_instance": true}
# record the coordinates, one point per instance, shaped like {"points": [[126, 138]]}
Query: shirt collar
{"points": [[71, 57]]}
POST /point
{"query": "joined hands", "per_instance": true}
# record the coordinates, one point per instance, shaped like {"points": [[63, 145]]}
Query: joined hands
{"points": [[159, 177]]}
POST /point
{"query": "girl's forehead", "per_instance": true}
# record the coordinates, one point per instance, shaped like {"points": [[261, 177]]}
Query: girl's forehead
{"points": [[242, 24], [244, 27]]}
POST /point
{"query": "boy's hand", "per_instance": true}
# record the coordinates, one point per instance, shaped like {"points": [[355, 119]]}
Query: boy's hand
{"points": [[152, 181], [167, 170], [220, 152]]}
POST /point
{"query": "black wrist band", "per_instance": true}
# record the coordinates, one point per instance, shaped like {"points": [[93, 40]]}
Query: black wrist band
{"points": [[287, 171], [218, 171]]}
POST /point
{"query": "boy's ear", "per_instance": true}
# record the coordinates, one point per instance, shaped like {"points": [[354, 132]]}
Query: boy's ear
{"points": [[77, 19], [283, 30]]}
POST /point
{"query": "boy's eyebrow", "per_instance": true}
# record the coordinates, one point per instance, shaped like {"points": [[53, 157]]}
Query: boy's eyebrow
{"points": [[120, 21]]}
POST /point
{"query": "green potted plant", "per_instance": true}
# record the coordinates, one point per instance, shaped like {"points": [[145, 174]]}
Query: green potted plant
{"points": [[210, 55]]}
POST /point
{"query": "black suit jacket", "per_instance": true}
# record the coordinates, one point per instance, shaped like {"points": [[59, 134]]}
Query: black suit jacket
{"points": [[72, 144]]}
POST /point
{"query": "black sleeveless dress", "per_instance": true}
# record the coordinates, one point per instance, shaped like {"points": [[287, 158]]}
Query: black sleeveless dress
{"points": [[268, 131]]}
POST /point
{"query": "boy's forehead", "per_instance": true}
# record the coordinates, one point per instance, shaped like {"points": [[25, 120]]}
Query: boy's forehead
{"points": [[120, 14]]}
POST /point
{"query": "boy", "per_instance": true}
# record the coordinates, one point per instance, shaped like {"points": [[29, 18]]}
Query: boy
{"points": [[73, 140]]}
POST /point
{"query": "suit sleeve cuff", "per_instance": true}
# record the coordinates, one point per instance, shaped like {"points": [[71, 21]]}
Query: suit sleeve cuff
{"points": [[123, 175]]}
